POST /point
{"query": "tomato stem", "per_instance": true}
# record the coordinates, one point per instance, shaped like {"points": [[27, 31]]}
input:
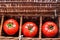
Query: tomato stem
{"points": [[51, 27], [10, 25], [29, 27]]}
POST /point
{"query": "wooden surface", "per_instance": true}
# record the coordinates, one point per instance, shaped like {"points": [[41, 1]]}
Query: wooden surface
{"points": [[29, 8]]}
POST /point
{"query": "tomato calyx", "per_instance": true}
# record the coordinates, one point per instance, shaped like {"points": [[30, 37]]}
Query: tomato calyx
{"points": [[30, 27], [10, 25], [50, 27]]}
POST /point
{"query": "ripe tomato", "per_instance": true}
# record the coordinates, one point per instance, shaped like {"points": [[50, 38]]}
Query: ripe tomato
{"points": [[29, 29], [10, 26], [49, 29]]}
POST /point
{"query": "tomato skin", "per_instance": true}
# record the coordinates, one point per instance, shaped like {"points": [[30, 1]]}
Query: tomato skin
{"points": [[26, 32], [49, 32], [13, 29]]}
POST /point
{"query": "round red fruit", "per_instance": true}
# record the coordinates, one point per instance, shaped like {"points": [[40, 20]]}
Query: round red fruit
{"points": [[49, 29], [10, 26], [29, 29]]}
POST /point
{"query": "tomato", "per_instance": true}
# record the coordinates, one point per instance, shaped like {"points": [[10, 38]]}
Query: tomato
{"points": [[49, 29], [29, 29], [10, 26]]}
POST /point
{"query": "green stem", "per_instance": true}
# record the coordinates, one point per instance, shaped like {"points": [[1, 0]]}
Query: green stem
{"points": [[10, 25], [51, 27], [29, 27]]}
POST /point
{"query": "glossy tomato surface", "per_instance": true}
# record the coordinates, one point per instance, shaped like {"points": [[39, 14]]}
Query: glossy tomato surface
{"points": [[49, 29], [10, 26], [29, 29]]}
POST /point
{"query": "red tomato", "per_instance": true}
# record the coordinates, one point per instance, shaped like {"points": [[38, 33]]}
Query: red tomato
{"points": [[10, 26], [49, 29], [29, 29]]}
